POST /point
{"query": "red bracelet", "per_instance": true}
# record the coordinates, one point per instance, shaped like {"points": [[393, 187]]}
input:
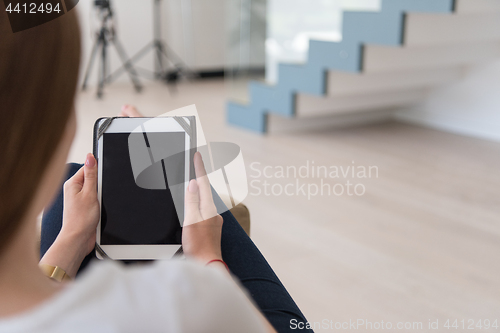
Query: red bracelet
{"points": [[217, 260]]}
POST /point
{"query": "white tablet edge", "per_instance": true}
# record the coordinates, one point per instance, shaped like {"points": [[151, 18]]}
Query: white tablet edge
{"points": [[139, 252]]}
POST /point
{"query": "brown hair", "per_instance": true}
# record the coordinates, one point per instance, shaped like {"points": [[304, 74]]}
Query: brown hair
{"points": [[38, 78]]}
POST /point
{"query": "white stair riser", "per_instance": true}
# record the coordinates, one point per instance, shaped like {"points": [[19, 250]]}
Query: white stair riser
{"points": [[383, 58], [483, 6], [427, 29], [313, 106], [342, 83]]}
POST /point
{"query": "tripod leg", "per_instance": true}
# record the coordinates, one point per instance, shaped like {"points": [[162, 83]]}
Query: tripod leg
{"points": [[93, 54], [177, 61], [127, 64], [102, 72], [160, 68]]}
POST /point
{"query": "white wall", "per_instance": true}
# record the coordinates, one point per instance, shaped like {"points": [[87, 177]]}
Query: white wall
{"points": [[246, 34], [292, 23], [469, 107], [196, 30], [193, 28]]}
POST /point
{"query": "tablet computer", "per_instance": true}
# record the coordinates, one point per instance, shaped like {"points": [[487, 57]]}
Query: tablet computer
{"points": [[143, 173]]}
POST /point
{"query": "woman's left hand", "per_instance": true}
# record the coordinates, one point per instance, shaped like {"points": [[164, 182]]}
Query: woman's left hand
{"points": [[80, 218], [81, 207], [80, 215]]}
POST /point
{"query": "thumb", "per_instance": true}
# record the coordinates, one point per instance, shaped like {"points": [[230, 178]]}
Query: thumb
{"points": [[192, 203], [75, 184], [90, 172]]}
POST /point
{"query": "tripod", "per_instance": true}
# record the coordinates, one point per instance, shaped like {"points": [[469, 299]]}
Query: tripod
{"points": [[104, 37], [163, 54]]}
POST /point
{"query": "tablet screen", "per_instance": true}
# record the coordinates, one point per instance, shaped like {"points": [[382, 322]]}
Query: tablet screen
{"points": [[132, 215]]}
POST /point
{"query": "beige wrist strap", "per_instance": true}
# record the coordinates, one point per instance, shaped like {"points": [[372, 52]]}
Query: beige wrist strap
{"points": [[54, 272]]}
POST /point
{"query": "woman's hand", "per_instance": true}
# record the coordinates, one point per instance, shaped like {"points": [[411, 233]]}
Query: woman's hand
{"points": [[80, 215], [81, 207], [80, 218], [202, 228]]}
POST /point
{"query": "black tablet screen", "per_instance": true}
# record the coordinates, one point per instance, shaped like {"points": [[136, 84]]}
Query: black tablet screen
{"points": [[131, 215]]}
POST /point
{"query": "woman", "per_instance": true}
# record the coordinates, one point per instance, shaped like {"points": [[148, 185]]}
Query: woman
{"points": [[38, 78]]}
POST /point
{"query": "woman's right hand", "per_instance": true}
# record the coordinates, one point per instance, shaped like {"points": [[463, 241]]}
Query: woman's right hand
{"points": [[202, 228]]}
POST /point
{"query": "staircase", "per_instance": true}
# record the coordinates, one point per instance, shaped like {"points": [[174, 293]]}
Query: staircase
{"points": [[386, 59]]}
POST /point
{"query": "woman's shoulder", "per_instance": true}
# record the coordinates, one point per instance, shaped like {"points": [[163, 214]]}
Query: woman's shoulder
{"points": [[173, 281], [163, 272], [165, 294], [167, 279], [170, 294]]}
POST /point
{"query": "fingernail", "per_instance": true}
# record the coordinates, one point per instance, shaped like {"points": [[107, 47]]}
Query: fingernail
{"points": [[193, 186], [124, 107], [90, 162]]}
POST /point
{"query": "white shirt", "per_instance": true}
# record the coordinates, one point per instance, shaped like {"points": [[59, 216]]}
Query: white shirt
{"points": [[167, 296]]}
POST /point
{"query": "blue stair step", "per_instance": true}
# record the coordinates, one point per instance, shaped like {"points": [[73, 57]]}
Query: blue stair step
{"points": [[359, 28]]}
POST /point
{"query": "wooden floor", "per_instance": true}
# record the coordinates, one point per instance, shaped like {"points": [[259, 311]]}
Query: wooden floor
{"points": [[423, 242]]}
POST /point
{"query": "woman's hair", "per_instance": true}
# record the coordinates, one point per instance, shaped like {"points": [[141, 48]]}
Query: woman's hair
{"points": [[38, 78]]}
